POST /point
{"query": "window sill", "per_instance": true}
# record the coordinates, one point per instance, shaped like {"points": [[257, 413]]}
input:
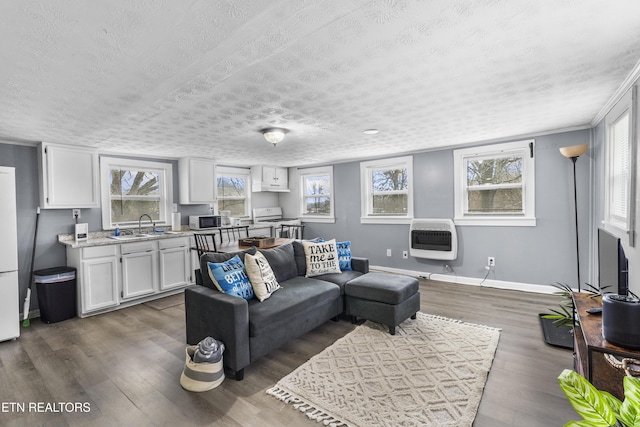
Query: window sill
{"points": [[386, 220], [496, 222], [328, 220], [615, 229]]}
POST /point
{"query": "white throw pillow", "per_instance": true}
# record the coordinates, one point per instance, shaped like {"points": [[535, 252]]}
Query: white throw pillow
{"points": [[321, 258], [261, 276]]}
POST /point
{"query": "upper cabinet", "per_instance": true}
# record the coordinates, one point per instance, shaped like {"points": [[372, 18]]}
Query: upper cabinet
{"points": [[197, 179], [269, 178], [69, 177]]}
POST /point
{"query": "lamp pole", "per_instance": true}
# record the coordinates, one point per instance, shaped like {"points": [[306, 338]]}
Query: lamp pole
{"points": [[573, 152], [575, 209]]}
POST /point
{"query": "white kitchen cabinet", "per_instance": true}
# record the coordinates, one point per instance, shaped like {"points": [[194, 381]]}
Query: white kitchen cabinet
{"points": [[175, 263], [139, 269], [269, 178], [197, 181], [69, 177], [123, 274], [98, 270]]}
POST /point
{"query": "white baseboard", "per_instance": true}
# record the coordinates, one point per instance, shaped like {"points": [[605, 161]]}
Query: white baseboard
{"points": [[491, 283]]}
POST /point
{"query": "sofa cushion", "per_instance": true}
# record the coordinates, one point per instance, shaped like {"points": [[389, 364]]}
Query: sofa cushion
{"points": [[261, 276], [340, 279], [297, 295], [321, 258], [218, 258], [301, 259], [282, 262], [230, 277]]}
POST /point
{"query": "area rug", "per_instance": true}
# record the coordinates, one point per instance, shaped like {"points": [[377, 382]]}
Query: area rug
{"points": [[431, 373]]}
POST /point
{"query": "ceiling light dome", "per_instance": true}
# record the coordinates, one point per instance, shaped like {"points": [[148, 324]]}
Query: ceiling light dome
{"points": [[274, 135]]}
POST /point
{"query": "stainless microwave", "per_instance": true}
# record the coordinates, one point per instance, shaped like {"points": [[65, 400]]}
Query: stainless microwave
{"points": [[201, 222]]}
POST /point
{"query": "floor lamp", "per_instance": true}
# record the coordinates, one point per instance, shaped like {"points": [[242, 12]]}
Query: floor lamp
{"points": [[573, 152]]}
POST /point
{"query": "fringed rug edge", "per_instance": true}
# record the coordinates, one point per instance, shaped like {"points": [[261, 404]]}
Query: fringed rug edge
{"points": [[311, 411]]}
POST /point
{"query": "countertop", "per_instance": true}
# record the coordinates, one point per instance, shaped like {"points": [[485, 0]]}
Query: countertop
{"points": [[101, 238]]}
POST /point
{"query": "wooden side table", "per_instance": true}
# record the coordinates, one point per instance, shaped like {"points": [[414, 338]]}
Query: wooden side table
{"points": [[590, 347]]}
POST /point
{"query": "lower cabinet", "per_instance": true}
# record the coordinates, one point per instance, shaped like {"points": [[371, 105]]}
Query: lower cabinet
{"points": [[111, 276], [99, 273], [175, 263], [139, 269]]}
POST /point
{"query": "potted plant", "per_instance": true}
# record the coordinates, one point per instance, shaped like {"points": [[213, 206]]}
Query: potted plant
{"points": [[564, 315], [600, 408]]}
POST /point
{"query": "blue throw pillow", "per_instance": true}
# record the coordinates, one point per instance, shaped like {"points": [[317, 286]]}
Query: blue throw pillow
{"points": [[344, 255], [230, 277]]}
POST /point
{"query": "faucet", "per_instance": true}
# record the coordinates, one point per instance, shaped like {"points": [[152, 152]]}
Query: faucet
{"points": [[153, 224]]}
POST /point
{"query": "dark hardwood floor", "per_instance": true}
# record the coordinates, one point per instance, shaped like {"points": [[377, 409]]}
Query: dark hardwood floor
{"points": [[124, 367]]}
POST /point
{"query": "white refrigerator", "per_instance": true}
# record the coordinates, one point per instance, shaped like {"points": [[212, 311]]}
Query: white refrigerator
{"points": [[9, 299]]}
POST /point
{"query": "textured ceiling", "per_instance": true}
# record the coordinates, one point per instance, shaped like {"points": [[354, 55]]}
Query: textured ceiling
{"points": [[177, 78]]}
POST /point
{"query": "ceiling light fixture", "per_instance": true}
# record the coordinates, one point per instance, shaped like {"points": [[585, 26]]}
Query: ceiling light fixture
{"points": [[274, 135], [371, 131]]}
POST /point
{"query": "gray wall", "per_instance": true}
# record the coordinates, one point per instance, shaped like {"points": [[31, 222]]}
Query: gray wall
{"points": [[543, 254], [50, 253]]}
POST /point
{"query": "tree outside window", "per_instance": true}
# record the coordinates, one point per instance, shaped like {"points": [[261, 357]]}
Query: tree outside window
{"points": [[386, 187], [494, 185], [132, 194], [389, 189], [233, 187], [317, 195], [316, 202]]}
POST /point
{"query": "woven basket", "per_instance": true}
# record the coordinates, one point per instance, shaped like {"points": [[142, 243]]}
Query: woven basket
{"points": [[203, 376], [631, 367]]}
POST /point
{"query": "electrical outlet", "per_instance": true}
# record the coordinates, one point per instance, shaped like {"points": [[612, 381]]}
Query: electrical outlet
{"points": [[405, 254], [491, 261], [174, 208], [75, 213], [388, 252]]}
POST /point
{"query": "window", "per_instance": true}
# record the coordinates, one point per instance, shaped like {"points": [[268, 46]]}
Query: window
{"points": [[132, 188], [316, 194], [387, 191], [618, 168], [494, 185], [234, 191]]}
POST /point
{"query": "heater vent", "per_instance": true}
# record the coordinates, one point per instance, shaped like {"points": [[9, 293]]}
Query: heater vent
{"points": [[433, 239]]}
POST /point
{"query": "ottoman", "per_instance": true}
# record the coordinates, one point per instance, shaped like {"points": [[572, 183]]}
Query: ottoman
{"points": [[384, 298]]}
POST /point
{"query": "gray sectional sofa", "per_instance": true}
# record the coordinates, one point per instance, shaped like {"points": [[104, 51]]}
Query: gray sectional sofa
{"points": [[251, 329]]}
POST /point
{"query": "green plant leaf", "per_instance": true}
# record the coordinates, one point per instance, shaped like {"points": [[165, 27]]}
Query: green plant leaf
{"points": [[587, 401], [630, 408], [613, 402], [581, 423]]}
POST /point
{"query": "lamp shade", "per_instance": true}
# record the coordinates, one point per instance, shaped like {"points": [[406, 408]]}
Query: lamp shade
{"points": [[274, 135], [574, 150]]}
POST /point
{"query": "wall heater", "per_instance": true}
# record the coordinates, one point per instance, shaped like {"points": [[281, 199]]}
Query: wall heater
{"points": [[433, 238]]}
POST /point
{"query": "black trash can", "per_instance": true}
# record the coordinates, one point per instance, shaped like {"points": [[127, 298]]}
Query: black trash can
{"points": [[56, 293]]}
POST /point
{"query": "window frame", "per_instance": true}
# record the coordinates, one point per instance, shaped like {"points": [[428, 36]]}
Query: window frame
{"points": [[366, 190], [523, 149], [230, 171], [302, 196], [624, 229], [165, 188]]}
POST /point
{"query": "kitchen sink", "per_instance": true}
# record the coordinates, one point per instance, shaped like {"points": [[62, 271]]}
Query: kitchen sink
{"points": [[140, 235], [131, 236]]}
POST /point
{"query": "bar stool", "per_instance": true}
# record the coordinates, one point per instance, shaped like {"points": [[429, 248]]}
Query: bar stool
{"points": [[291, 231]]}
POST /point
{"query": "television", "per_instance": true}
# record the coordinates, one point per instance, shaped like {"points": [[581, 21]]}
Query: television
{"points": [[613, 266]]}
